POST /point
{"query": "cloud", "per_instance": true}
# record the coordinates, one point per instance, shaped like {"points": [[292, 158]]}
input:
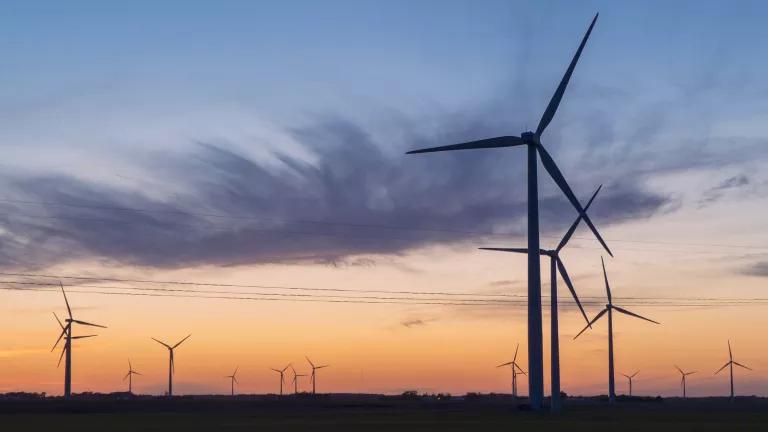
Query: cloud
{"points": [[758, 269], [350, 195], [716, 192]]}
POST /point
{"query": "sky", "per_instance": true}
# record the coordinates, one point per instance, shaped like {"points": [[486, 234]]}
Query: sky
{"points": [[258, 148]]}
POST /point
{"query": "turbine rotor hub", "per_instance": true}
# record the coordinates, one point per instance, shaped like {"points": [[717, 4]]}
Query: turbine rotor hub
{"points": [[529, 138]]}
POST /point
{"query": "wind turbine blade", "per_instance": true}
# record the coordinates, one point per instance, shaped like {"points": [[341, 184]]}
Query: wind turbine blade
{"points": [[126, 376], [87, 323], [634, 374], [626, 312], [136, 373], [130, 368], [173, 365], [161, 343], [514, 359], [627, 376], [59, 321], [236, 369], [607, 286], [182, 341], [310, 362], [575, 224], [730, 354], [549, 113], [83, 337], [691, 373], [567, 279], [724, 366], [63, 350], [519, 369], [235, 378], [589, 325], [557, 176], [741, 365], [503, 141], [516, 250], [504, 364], [276, 370], [323, 366], [69, 310], [61, 335], [680, 370]]}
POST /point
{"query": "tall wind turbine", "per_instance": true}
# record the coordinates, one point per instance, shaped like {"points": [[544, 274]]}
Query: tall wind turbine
{"points": [[609, 308], [556, 264], [129, 376], [66, 333], [282, 376], [296, 377], [314, 374], [233, 379], [515, 370], [682, 378], [171, 366], [535, 150], [730, 364], [629, 377]]}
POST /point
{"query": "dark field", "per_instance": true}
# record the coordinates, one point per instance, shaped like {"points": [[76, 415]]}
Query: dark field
{"points": [[371, 414]]}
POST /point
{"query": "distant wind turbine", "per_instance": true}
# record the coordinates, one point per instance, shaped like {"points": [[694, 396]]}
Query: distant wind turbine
{"points": [[556, 264], [129, 376], [66, 333], [515, 370], [730, 364], [233, 379], [171, 364], [682, 378], [535, 150], [296, 377], [609, 308], [314, 373], [282, 376], [629, 377]]}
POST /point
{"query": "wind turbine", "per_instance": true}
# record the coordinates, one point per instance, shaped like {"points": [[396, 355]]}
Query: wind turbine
{"points": [[609, 308], [282, 376], [731, 363], [535, 150], [629, 377], [66, 333], [556, 264], [314, 375], [171, 367], [515, 370], [682, 378], [233, 379], [129, 376], [296, 377]]}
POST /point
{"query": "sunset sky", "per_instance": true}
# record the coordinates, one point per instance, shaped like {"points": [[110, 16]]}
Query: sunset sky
{"points": [[262, 145]]}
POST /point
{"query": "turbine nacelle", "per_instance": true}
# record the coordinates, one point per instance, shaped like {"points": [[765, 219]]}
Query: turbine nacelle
{"points": [[530, 138]]}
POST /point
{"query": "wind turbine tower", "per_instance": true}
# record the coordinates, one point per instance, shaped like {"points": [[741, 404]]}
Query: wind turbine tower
{"points": [[129, 376], [233, 379], [171, 364], [532, 140], [730, 366], [66, 334], [609, 308], [515, 370], [683, 375], [313, 377]]}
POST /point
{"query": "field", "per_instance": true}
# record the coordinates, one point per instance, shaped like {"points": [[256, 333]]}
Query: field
{"points": [[244, 414]]}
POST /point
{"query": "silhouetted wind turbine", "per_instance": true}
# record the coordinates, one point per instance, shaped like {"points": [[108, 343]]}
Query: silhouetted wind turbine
{"points": [[314, 374], [296, 377], [282, 376], [66, 332], [171, 365], [129, 376], [629, 377], [233, 379], [682, 378], [556, 264], [609, 308], [515, 370], [535, 149], [731, 363]]}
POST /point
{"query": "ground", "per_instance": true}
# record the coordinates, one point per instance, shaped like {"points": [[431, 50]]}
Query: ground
{"points": [[200, 414]]}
